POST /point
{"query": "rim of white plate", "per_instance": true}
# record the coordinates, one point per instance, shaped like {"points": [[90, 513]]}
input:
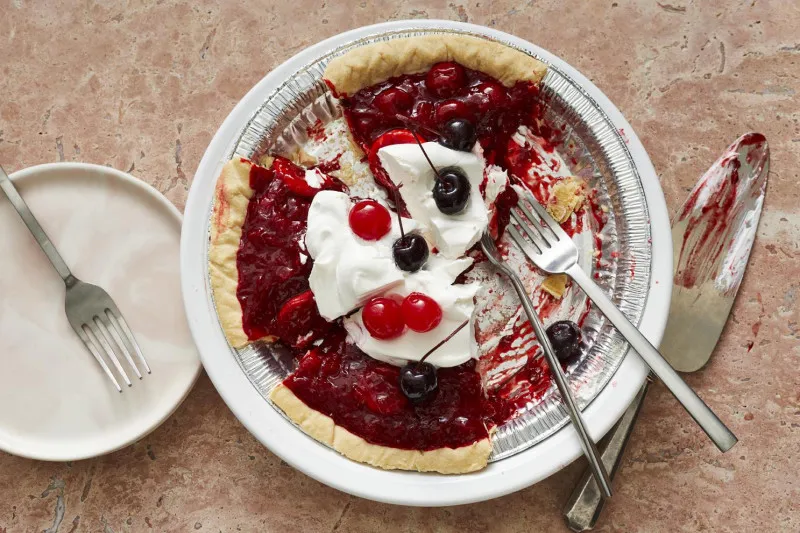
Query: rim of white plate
{"points": [[326, 465], [103, 447]]}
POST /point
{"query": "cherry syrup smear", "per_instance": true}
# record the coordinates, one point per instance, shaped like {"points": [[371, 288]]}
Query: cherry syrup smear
{"points": [[713, 212]]}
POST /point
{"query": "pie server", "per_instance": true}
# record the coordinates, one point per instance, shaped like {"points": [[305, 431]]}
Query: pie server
{"points": [[712, 235]]}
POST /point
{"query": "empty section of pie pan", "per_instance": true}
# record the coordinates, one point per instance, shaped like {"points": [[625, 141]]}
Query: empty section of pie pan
{"points": [[625, 161]]}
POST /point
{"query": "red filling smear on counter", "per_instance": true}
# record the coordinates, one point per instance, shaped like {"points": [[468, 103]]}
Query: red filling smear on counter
{"points": [[335, 378]]}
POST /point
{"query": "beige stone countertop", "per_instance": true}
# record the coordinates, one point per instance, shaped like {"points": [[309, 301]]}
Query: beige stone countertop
{"points": [[142, 85]]}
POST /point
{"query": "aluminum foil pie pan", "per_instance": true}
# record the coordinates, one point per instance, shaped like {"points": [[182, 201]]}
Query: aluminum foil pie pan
{"points": [[597, 153], [637, 273]]}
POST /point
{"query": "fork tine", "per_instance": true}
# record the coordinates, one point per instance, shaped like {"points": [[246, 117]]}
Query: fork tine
{"points": [[128, 335], [93, 350], [530, 249], [537, 222], [109, 325], [532, 228], [105, 341], [554, 226]]}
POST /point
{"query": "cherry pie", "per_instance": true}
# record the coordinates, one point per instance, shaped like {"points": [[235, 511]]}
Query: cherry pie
{"points": [[370, 273]]}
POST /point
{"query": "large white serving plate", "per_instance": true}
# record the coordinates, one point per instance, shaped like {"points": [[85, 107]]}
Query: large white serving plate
{"points": [[283, 438]]}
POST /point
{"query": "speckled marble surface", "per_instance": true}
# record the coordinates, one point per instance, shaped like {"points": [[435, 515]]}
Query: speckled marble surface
{"points": [[143, 85]]}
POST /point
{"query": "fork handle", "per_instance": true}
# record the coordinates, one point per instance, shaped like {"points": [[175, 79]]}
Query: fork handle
{"points": [[587, 444], [34, 227], [702, 414]]}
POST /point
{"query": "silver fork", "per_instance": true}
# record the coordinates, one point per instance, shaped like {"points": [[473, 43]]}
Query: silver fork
{"points": [[551, 249], [90, 310], [589, 448]]}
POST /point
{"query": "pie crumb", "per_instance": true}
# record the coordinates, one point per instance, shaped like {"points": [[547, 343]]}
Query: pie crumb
{"points": [[567, 197], [555, 285]]}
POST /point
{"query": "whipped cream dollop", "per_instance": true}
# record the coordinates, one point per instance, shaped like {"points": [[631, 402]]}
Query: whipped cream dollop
{"points": [[452, 235], [348, 271], [435, 280]]}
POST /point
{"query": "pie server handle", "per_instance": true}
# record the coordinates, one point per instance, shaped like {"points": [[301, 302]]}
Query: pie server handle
{"points": [[586, 501]]}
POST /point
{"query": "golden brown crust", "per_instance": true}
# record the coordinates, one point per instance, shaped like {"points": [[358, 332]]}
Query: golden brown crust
{"points": [[231, 197], [321, 427], [378, 62]]}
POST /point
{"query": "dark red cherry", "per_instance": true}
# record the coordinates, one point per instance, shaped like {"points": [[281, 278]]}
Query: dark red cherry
{"points": [[451, 191], [565, 337], [383, 318], [393, 101], [410, 252], [450, 109], [298, 322], [418, 380], [370, 220], [493, 96], [459, 134], [445, 79], [421, 312], [422, 114]]}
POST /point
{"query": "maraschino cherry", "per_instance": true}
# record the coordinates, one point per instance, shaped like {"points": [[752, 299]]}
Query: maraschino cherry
{"points": [[451, 191], [421, 313], [410, 251], [370, 220], [459, 134], [565, 337], [418, 380], [383, 318]]}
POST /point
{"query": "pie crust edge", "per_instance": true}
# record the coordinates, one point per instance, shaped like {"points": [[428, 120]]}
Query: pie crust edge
{"points": [[231, 198], [377, 62], [321, 427]]}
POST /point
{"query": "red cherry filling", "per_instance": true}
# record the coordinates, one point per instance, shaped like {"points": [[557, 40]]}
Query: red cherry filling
{"points": [[295, 178], [446, 92], [364, 396], [445, 79], [269, 261], [370, 220], [421, 313], [383, 318]]}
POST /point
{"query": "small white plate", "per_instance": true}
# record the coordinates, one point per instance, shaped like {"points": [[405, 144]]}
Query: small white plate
{"points": [[114, 231]]}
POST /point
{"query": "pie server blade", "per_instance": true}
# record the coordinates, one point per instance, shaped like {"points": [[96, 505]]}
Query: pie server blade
{"points": [[712, 235]]}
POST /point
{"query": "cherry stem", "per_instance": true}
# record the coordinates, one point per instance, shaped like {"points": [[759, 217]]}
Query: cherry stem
{"points": [[408, 122], [428, 159], [397, 205], [453, 334]]}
